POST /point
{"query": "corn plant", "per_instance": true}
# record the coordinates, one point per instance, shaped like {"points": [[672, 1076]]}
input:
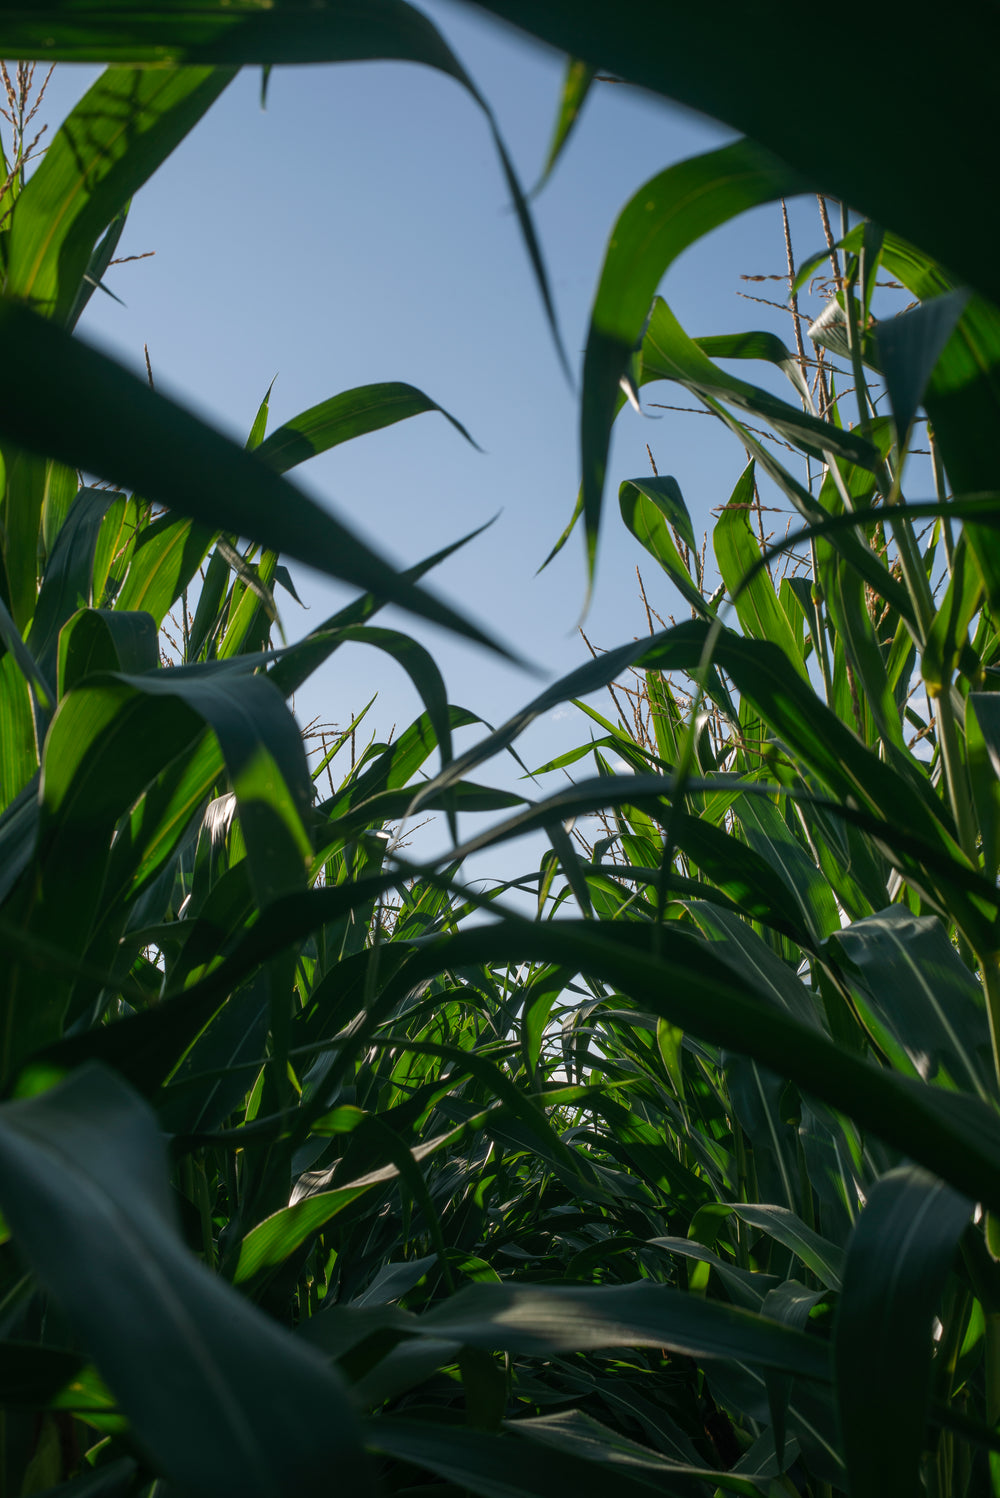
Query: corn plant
{"points": [[696, 1190]]}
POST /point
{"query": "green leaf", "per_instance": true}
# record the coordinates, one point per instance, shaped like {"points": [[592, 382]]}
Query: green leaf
{"points": [[824, 1258], [124, 127], [24, 660], [68, 579], [212, 1080], [768, 833], [96, 267], [737, 551], [555, 1455], [957, 1136], [844, 591], [897, 1263], [270, 1242], [738, 944], [146, 1047], [824, 743], [909, 347], [948, 633], [295, 666], [576, 86], [257, 432], [367, 409], [757, 345], [962, 395], [18, 823], [420, 667], [668, 353], [23, 503], [161, 36], [108, 741], [652, 508], [580, 682], [687, 985], [105, 640], [61, 488], [230, 1404], [260, 744], [919, 997], [169, 456], [913, 826], [986, 706], [708, 60], [744, 1288], [663, 218], [575, 1433], [546, 1320], [983, 776]]}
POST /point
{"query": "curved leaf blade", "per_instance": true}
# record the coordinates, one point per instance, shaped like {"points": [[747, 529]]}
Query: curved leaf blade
{"points": [[369, 408], [261, 1414], [55, 397], [666, 215], [124, 127], [897, 1262]]}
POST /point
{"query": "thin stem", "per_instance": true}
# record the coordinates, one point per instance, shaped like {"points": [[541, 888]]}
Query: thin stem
{"points": [[855, 335], [954, 773], [819, 633], [793, 300], [941, 493]]}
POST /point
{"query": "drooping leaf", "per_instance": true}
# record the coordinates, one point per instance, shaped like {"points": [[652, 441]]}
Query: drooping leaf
{"points": [[920, 996], [909, 347], [503, 1467], [105, 640], [546, 1320], [897, 1262], [169, 456], [711, 62], [367, 409], [261, 1414], [230, 37], [668, 214]]}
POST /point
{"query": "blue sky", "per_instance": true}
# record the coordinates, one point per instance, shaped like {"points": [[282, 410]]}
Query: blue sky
{"points": [[358, 230]]}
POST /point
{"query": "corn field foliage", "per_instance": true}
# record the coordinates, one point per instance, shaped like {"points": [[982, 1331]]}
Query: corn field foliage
{"points": [[323, 1173]]}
